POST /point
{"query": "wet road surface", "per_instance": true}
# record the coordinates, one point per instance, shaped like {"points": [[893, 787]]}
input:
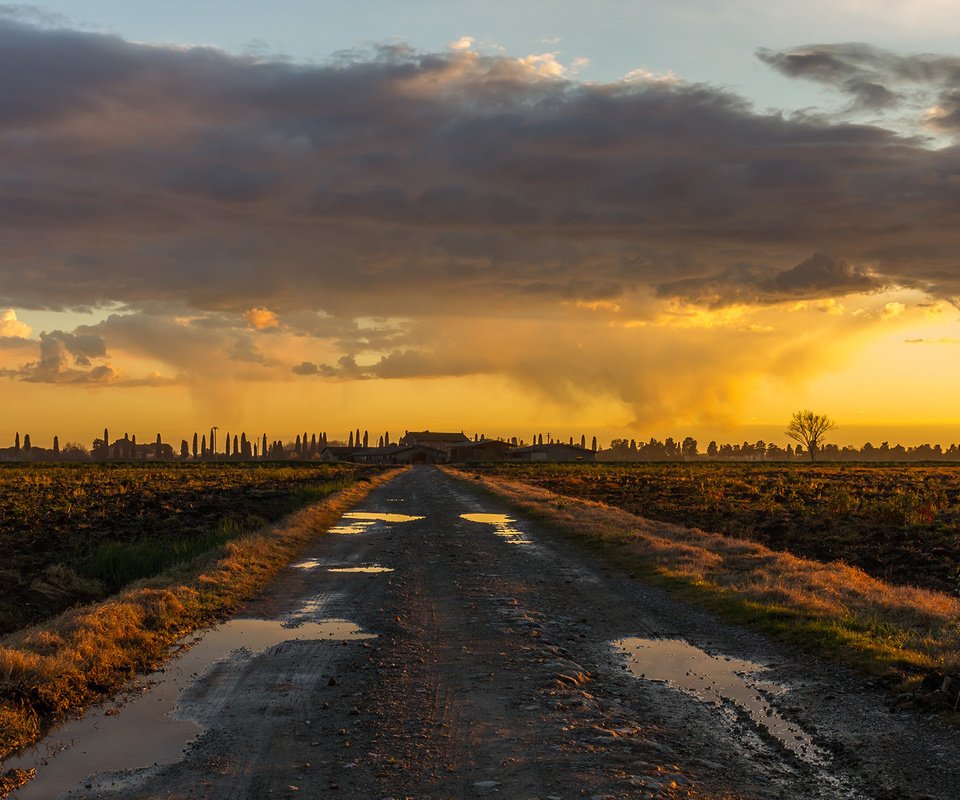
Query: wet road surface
{"points": [[437, 645]]}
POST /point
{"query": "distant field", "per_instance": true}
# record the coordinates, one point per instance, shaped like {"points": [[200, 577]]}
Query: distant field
{"points": [[73, 534], [898, 523]]}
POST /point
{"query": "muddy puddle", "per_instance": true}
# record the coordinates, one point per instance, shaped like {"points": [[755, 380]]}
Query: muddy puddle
{"points": [[360, 521], [718, 681], [372, 569], [143, 732], [504, 526], [314, 563]]}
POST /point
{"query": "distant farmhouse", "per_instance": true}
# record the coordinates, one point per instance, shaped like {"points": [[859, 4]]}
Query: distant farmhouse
{"points": [[436, 440], [482, 450], [551, 452], [400, 454]]}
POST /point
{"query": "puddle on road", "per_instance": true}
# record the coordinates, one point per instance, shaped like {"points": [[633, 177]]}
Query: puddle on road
{"points": [[373, 568], [314, 563], [143, 733], [714, 680], [360, 521], [503, 526]]}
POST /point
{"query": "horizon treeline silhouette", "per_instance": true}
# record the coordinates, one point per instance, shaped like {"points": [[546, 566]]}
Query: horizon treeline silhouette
{"points": [[207, 446]]}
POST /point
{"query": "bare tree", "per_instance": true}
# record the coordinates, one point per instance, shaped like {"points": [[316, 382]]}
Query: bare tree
{"points": [[809, 429]]}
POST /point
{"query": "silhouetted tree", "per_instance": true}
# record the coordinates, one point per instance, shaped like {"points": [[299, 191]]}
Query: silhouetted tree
{"points": [[263, 448], [56, 445], [350, 442], [255, 450], [296, 447], [184, 450], [386, 439], [593, 446], [809, 429], [313, 444], [194, 444], [26, 442], [712, 450], [380, 442], [203, 446], [133, 446], [540, 439], [366, 440], [16, 442], [689, 448], [159, 443]]}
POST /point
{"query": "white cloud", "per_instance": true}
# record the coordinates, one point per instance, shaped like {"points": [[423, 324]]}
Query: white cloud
{"points": [[11, 326], [463, 43]]}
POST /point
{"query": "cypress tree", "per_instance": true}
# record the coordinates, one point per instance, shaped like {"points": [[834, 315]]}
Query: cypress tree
{"points": [[386, 439], [184, 450], [380, 444], [594, 445], [194, 444], [366, 440], [255, 450], [236, 452], [583, 441], [26, 441], [213, 443], [264, 447], [159, 449], [350, 443], [540, 440], [203, 446], [313, 444], [16, 442], [56, 445], [226, 446]]}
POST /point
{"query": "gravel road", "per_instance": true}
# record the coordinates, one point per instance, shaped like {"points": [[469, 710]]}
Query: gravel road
{"points": [[478, 654]]}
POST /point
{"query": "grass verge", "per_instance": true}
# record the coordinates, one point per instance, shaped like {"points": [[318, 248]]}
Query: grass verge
{"points": [[71, 661], [830, 608]]}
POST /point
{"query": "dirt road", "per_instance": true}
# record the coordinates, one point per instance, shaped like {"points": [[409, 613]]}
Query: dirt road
{"points": [[479, 655]]}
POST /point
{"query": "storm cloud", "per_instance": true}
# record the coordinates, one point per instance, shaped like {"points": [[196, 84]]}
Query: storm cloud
{"points": [[399, 180]]}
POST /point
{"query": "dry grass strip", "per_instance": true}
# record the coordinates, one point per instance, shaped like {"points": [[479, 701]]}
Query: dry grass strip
{"points": [[68, 663], [832, 608]]}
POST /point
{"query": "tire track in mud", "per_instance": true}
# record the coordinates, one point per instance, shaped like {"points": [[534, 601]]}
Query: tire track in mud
{"points": [[493, 674]]}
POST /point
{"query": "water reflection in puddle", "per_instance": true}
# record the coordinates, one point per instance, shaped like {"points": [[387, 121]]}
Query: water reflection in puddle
{"points": [[360, 521], [503, 526], [374, 568], [713, 680], [143, 733], [313, 563]]}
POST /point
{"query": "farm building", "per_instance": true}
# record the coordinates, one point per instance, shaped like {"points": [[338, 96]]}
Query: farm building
{"points": [[484, 450], [435, 439], [399, 454], [551, 452]]}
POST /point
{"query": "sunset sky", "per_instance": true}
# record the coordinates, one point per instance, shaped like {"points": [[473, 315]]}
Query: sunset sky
{"points": [[631, 219]]}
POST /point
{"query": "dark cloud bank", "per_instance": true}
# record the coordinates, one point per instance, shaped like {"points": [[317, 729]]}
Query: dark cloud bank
{"points": [[399, 182]]}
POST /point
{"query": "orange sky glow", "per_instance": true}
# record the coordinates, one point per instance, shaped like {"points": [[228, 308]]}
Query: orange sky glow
{"points": [[473, 241]]}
